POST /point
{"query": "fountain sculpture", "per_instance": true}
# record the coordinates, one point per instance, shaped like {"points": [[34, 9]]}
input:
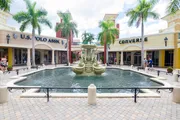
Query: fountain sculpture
{"points": [[88, 64]]}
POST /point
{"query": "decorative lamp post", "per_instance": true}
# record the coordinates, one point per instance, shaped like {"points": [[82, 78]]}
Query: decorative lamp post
{"points": [[8, 38], [165, 40]]}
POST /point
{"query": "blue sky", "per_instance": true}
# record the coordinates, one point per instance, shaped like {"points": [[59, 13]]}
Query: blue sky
{"points": [[88, 13]]}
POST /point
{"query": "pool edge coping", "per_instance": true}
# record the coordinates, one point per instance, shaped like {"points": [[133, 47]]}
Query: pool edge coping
{"points": [[33, 92]]}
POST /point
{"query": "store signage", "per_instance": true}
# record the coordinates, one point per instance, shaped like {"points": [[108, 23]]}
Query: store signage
{"points": [[42, 39], [135, 40]]}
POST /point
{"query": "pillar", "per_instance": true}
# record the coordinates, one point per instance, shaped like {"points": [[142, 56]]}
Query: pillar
{"points": [[28, 57], [176, 62], [18, 50], [117, 57], [10, 56], [70, 53], [21, 56], [13, 61], [57, 57], [132, 58], [3, 94], [42, 57], [145, 54], [92, 94], [161, 58], [177, 58], [122, 63], [52, 62], [176, 94]]}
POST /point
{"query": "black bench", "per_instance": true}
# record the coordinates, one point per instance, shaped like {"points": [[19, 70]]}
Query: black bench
{"points": [[138, 68], [17, 70]]}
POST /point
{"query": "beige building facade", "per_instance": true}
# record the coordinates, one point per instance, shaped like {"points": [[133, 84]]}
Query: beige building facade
{"points": [[16, 47], [163, 48]]}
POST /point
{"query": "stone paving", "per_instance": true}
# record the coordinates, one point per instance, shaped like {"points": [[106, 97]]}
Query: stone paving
{"points": [[78, 109]]}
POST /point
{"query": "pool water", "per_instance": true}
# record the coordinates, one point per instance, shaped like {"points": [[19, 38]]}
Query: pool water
{"points": [[64, 77]]}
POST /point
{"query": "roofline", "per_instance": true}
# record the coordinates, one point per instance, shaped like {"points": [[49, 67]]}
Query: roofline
{"points": [[110, 14], [169, 14], [148, 35]]}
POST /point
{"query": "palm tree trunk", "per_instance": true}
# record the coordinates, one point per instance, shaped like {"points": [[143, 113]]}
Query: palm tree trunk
{"points": [[142, 43], [33, 48], [107, 60], [68, 50], [105, 50]]}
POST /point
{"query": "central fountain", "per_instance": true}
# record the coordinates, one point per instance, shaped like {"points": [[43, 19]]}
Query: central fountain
{"points": [[88, 64]]}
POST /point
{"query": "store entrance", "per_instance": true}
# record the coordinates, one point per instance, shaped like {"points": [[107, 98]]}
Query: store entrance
{"points": [[127, 58], [37, 57], [137, 58], [169, 54]]}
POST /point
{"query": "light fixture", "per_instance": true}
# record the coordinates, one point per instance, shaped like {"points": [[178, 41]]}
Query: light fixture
{"points": [[165, 40], [8, 38]]}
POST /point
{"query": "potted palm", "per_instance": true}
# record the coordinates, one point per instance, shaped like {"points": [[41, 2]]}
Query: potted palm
{"points": [[169, 70], [10, 67]]}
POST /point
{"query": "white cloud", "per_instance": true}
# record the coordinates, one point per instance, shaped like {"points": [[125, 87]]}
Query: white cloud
{"points": [[151, 26], [87, 13]]}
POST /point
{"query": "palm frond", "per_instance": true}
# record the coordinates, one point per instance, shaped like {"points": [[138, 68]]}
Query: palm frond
{"points": [[58, 27], [39, 29], [173, 6], [24, 25], [45, 22], [21, 16], [28, 4], [153, 15], [142, 12], [41, 12], [5, 5], [67, 26]]}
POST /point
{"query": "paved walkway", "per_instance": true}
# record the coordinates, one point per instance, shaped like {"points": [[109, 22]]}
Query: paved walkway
{"points": [[77, 108]]}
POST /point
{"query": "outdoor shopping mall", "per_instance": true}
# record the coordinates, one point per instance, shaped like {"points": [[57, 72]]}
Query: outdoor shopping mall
{"points": [[163, 48]]}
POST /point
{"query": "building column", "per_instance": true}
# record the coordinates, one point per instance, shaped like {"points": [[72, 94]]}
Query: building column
{"points": [[21, 56], [117, 57], [13, 57], [18, 56], [176, 62], [52, 62], [161, 58], [10, 56], [176, 58], [42, 57], [28, 57], [57, 57], [132, 58], [145, 54], [122, 63]]}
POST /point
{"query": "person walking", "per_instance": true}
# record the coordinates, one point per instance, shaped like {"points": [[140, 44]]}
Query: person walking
{"points": [[150, 63], [115, 61], [145, 62]]}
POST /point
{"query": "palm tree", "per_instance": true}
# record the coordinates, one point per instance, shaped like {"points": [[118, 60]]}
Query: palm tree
{"points": [[107, 36], [174, 5], [67, 27], [87, 37], [140, 14], [5, 5], [33, 17]]}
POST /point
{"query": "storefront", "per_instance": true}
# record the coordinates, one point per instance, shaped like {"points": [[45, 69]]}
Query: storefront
{"points": [[16, 47]]}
